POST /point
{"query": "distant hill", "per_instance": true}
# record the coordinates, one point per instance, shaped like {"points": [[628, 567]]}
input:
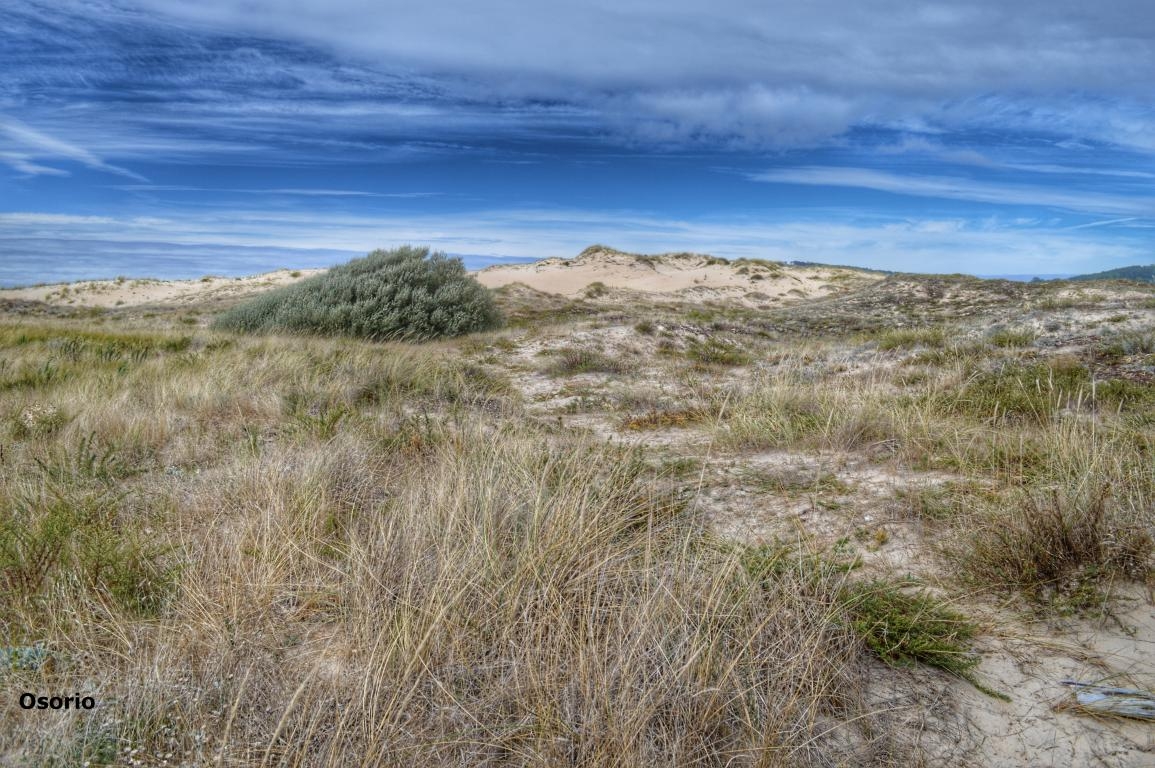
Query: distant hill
{"points": [[1140, 273]]}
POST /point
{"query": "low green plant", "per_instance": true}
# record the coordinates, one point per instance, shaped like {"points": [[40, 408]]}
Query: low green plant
{"points": [[716, 352], [571, 360], [943, 501], [66, 539], [906, 338], [1132, 397], [903, 627], [90, 458], [403, 294], [596, 290], [1118, 347], [1010, 338], [21, 657], [900, 626]]}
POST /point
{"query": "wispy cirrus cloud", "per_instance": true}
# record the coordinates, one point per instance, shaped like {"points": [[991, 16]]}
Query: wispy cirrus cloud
{"points": [[994, 158], [31, 143], [1127, 220], [297, 192], [764, 73], [958, 188], [24, 164]]}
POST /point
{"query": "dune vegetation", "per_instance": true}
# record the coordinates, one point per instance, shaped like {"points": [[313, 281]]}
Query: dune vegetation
{"points": [[610, 533], [405, 293]]}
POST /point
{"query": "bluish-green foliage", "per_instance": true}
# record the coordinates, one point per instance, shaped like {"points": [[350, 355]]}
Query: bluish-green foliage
{"points": [[404, 293]]}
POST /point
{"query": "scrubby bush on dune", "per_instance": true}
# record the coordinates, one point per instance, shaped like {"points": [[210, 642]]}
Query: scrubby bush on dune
{"points": [[404, 293]]}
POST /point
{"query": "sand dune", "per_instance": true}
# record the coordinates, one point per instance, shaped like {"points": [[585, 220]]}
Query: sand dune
{"points": [[686, 276], [136, 292], [595, 272]]}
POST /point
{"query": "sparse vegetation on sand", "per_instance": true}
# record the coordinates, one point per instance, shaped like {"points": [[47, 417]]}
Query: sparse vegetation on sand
{"points": [[405, 293], [630, 531]]}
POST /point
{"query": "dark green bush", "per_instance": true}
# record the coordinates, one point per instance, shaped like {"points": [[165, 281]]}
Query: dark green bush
{"points": [[407, 293], [903, 627]]}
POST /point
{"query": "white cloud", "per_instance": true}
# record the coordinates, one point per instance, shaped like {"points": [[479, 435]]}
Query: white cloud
{"points": [[298, 192], [23, 163], [39, 144], [17, 219], [751, 115], [1105, 223], [766, 72], [960, 189]]}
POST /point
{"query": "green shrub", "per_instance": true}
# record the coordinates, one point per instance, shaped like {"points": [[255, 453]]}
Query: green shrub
{"points": [[404, 294], [903, 627]]}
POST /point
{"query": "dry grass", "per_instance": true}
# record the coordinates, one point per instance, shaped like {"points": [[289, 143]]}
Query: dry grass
{"points": [[360, 555], [1081, 521], [1059, 492], [307, 552], [797, 404]]}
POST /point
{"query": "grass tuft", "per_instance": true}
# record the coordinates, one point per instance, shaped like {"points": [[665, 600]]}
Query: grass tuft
{"points": [[574, 360]]}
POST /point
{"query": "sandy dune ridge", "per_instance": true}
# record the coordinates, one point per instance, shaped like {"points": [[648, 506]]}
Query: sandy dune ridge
{"points": [[129, 292], [685, 276], [596, 271]]}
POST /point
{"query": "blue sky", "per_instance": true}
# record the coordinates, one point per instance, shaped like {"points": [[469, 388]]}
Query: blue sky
{"points": [[162, 137]]}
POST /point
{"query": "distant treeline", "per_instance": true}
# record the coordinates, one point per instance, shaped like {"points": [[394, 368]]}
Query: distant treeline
{"points": [[1143, 273]]}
